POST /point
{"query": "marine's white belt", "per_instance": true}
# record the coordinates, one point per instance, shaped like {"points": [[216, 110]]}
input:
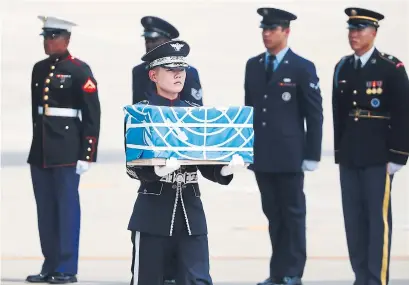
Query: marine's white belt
{"points": [[59, 112]]}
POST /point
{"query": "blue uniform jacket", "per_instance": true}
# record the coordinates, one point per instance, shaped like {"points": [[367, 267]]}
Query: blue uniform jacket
{"points": [[160, 205], [142, 85], [281, 108]]}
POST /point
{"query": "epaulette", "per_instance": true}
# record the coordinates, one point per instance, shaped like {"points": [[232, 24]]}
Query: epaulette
{"points": [[391, 59], [344, 58], [76, 61], [146, 102], [192, 104]]}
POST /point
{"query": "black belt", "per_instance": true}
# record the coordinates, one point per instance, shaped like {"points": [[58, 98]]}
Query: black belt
{"points": [[359, 113]]}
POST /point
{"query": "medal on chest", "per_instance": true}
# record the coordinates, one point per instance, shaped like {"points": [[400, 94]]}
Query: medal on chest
{"points": [[374, 87]]}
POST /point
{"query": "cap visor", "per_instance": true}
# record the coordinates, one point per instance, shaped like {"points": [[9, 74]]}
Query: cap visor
{"points": [[153, 35], [273, 26]]}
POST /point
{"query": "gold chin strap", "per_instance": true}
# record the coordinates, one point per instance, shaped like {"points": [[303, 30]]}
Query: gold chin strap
{"points": [[364, 18]]}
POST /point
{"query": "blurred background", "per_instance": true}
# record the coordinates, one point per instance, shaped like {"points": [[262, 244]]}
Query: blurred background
{"points": [[223, 35]]}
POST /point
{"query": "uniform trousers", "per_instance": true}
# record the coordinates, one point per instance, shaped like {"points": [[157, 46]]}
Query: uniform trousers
{"points": [[366, 201], [151, 255], [59, 214], [283, 203]]}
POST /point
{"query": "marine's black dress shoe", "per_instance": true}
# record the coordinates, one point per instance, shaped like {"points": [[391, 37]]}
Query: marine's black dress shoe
{"points": [[39, 278], [268, 281], [62, 278]]}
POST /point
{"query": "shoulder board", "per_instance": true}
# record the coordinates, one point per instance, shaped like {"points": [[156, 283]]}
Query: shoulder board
{"points": [[76, 61], [344, 58], [260, 57], [146, 102], [192, 104], [391, 59]]}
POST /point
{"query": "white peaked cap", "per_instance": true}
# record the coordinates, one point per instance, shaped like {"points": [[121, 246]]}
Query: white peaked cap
{"points": [[55, 23]]}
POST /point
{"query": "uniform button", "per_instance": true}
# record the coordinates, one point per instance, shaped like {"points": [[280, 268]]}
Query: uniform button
{"points": [[356, 119], [89, 149], [52, 67], [355, 92], [51, 74], [34, 125], [46, 89], [354, 103], [45, 97], [87, 157], [145, 191], [36, 84], [264, 124], [47, 81], [265, 96], [67, 127], [61, 86], [264, 110]]}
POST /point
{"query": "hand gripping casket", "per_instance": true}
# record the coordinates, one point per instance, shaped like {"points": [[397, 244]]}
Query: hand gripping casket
{"points": [[193, 135]]}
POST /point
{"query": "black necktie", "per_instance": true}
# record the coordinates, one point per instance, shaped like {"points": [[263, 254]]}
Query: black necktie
{"points": [[358, 64], [270, 66]]}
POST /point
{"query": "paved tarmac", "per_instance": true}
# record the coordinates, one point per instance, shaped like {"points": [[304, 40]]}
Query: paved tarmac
{"points": [[239, 244]]}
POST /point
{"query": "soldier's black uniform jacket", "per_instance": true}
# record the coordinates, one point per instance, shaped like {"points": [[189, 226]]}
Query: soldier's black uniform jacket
{"points": [[142, 85], [280, 108], [160, 198], [65, 112], [370, 111]]}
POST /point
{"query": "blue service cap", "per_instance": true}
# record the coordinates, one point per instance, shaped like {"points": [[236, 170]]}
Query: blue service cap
{"points": [[156, 27], [273, 17]]}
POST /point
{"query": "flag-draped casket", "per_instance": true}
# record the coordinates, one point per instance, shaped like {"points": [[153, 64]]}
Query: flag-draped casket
{"points": [[193, 135]]}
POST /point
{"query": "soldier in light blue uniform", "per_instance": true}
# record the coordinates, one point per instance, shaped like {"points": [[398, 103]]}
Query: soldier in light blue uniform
{"points": [[283, 88], [168, 217], [158, 31]]}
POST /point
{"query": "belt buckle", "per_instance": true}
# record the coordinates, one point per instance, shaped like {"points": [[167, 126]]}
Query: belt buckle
{"points": [[46, 110], [357, 112], [180, 178]]}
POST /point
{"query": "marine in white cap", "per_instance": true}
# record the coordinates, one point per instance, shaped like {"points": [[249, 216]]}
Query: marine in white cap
{"points": [[66, 122]]}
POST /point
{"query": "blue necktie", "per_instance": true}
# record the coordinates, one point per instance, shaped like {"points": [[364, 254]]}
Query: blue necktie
{"points": [[270, 67]]}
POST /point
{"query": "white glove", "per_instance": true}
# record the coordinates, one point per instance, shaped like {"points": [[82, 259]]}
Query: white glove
{"points": [[171, 165], [82, 166], [393, 167], [309, 165], [235, 164]]}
